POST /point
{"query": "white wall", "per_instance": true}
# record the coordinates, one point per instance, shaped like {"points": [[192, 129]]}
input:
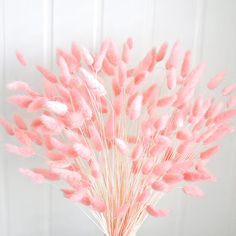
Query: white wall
{"points": [[37, 27]]}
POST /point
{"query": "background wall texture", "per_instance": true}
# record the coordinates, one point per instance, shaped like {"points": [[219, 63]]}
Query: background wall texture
{"points": [[38, 27]]}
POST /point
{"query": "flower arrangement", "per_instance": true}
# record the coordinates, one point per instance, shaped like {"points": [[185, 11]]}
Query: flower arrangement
{"points": [[118, 137]]}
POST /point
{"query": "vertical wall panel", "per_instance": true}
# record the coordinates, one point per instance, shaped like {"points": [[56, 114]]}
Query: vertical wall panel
{"points": [[129, 18], [3, 187], [26, 201], [72, 22], [173, 20], [47, 61], [211, 215]]}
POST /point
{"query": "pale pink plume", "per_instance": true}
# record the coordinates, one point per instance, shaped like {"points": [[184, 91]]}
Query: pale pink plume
{"points": [[209, 152], [147, 128], [36, 104], [163, 140], [21, 58], [70, 60], [198, 105], [65, 72], [151, 94], [225, 116], [147, 166], [171, 78], [20, 123], [37, 178], [110, 126], [95, 138], [126, 50], [76, 196], [160, 186], [161, 123], [156, 150], [47, 174], [174, 56], [98, 62], [166, 101], [215, 135], [112, 54], [229, 89], [95, 170], [130, 42], [76, 52], [87, 57], [7, 126], [22, 86], [214, 110], [162, 52], [215, 81], [193, 191], [49, 122], [186, 64], [47, 74], [137, 152], [184, 147], [98, 205], [93, 84], [162, 168], [200, 175], [181, 166], [17, 85], [71, 136], [21, 100], [122, 73], [108, 68], [125, 53], [57, 107], [184, 134], [201, 165], [122, 211], [67, 174], [83, 151], [24, 151], [142, 197], [140, 77], [194, 76], [85, 200], [135, 107], [35, 137], [59, 164], [122, 146], [54, 156], [116, 87], [148, 62], [157, 213], [231, 102], [118, 101], [49, 92], [173, 178], [153, 60]]}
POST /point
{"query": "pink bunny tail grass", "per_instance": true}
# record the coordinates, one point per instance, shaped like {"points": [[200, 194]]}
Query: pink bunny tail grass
{"points": [[117, 136], [21, 58], [193, 191]]}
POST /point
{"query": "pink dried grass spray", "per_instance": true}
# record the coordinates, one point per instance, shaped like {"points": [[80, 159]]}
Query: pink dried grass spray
{"points": [[119, 150]]}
